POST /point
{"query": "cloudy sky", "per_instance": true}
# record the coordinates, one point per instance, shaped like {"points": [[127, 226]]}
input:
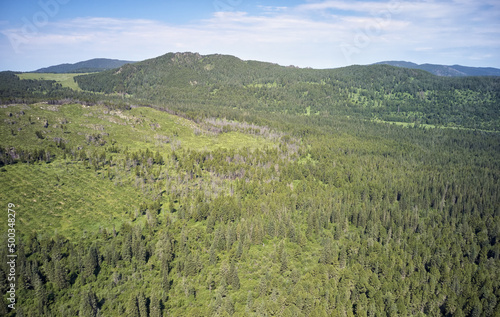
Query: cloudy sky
{"points": [[307, 33]]}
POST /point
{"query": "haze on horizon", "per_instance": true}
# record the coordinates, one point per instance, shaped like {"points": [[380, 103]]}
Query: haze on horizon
{"points": [[318, 34]]}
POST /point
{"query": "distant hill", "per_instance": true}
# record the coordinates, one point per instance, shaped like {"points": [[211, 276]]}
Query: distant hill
{"points": [[187, 70], [447, 71], [387, 92], [93, 65]]}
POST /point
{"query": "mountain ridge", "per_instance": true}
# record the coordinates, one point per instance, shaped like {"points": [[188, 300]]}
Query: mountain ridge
{"points": [[382, 91], [102, 64], [91, 65], [446, 70]]}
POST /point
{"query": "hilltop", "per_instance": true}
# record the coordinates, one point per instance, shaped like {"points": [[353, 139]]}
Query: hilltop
{"points": [[92, 65], [376, 91]]}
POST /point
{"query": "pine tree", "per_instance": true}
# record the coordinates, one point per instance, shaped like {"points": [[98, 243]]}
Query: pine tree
{"points": [[60, 276], [155, 306], [327, 253], [212, 255], [40, 293], [88, 304], [342, 258], [141, 300], [233, 278], [284, 263], [231, 236], [165, 276], [239, 250], [91, 261], [127, 247], [249, 301], [263, 286], [132, 308]]}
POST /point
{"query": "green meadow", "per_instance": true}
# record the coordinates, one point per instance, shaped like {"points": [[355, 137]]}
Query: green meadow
{"points": [[66, 197], [66, 79]]}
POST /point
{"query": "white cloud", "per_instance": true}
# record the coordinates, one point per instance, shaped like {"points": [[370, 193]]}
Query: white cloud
{"points": [[314, 34]]}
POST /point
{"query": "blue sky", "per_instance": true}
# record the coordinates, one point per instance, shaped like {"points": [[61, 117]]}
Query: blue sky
{"points": [[308, 33]]}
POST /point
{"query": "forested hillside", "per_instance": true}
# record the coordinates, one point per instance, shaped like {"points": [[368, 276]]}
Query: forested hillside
{"points": [[448, 71], [208, 186], [371, 92]]}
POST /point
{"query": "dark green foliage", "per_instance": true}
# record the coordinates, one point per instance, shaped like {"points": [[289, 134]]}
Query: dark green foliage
{"points": [[232, 277], [448, 71], [141, 301], [377, 91], [327, 215], [88, 304], [132, 307]]}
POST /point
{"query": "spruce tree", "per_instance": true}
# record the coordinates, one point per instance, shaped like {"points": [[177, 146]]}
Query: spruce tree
{"points": [[155, 306], [88, 304], [141, 301], [132, 308]]}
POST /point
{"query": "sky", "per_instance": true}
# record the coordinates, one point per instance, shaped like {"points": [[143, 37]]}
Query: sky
{"points": [[304, 33]]}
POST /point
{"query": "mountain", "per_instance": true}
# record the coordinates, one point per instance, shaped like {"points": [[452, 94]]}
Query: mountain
{"points": [[93, 65], [382, 91], [182, 70], [447, 71]]}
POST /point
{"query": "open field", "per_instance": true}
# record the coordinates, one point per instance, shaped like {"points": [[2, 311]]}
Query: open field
{"points": [[66, 80], [70, 198]]}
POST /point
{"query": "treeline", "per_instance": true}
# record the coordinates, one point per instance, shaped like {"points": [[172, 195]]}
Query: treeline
{"points": [[14, 90], [12, 155]]}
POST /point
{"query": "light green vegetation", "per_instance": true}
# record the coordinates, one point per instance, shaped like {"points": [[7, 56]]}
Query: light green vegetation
{"points": [[137, 128], [67, 197], [66, 79], [429, 126]]}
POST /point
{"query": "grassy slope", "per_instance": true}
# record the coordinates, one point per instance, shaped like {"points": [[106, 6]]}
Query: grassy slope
{"points": [[66, 80], [64, 196]]}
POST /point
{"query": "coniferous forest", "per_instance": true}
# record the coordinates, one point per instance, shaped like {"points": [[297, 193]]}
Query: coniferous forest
{"points": [[191, 185]]}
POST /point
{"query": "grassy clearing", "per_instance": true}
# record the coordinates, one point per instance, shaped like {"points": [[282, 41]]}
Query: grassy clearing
{"points": [[66, 80], [136, 129], [65, 196], [408, 124]]}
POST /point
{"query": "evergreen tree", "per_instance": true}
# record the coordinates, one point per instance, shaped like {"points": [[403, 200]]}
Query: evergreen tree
{"points": [[155, 306], [132, 307], [91, 261], [88, 304], [327, 253], [60, 275], [232, 277], [141, 301]]}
